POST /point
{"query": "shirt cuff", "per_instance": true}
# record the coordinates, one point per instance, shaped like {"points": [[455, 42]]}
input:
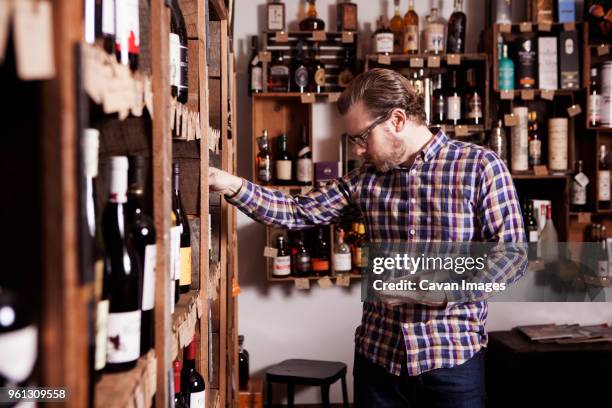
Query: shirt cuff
{"points": [[243, 196]]}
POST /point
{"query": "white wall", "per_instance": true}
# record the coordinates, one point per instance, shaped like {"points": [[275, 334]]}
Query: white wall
{"points": [[280, 322]]}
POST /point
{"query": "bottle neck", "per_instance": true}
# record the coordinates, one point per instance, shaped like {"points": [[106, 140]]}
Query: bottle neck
{"points": [[118, 186], [411, 5], [312, 9], [397, 9]]}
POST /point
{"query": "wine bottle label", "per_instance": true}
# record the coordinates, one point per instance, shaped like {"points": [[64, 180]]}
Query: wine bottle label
{"points": [[319, 77], [175, 55], [264, 170], [535, 151], [301, 77], [520, 141], [534, 236], [101, 334], [579, 195], [123, 340], [345, 78], [594, 109], [320, 265], [604, 185], [276, 17], [474, 106], [175, 249], [282, 266], [283, 170], [411, 39], [183, 67], [18, 352], [185, 278], [557, 150], [304, 170], [434, 37], [453, 107], [256, 79], [342, 262], [133, 26], [148, 280], [384, 43], [197, 399], [602, 268], [527, 64], [108, 17]]}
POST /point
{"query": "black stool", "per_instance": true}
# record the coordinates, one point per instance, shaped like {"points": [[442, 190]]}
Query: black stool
{"points": [[307, 372]]}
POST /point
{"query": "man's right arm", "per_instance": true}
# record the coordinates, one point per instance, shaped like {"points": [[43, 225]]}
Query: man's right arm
{"points": [[272, 207]]}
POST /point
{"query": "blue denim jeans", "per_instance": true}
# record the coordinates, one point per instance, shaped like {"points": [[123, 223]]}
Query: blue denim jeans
{"points": [[462, 386]]}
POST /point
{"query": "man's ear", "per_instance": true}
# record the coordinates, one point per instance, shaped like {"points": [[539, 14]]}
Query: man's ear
{"points": [[398, 118]]}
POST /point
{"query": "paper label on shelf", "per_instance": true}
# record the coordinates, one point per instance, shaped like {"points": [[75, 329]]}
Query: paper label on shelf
{"points": [[101, 334], [186, 332], [584, 218], [307, 98], [33, 39], [453, 59], [527, 94], [511, 120], [305, 190], [197, 124], [574, 110], [319, 35], [433, 62], [569, 26], [347, 37], [302, 284], [148, 281], [281, 37], [343, 280], [544, 26], [384, 59], [540, 170], [416, 62], [506, 95], [123, 340], [334, 96], [197, 399], [270, 252], [505, 28], [603, 50], [185, 276], [18, 353], [461, 130], [265, 56], [325, 282], [548, 94], [525, 27]]}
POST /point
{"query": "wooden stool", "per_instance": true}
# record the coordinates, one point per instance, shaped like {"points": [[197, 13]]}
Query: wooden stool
{"points": [[307, 372]]}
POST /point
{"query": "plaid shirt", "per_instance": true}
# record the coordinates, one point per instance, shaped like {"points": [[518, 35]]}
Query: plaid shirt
{"points": [[453, 191]]}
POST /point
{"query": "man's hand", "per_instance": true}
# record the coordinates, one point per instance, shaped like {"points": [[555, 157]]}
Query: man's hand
{"points": [[223, 182]]}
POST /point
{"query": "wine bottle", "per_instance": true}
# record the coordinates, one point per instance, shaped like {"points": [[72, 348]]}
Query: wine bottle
{"points": [[342, 254], [456, 30], [108, 25], [383, 37], [125, 276], [506, 71], [142, 234], [179, 64], [302, 260], [179, 398], [346, 19], [283, 162], [127, 37], [282, 261], [192, 383], [183, 223], [594, 105], [433, 34], [320, 255], [439, 102], [473, 100], [264, 162], [535, 142], [558, 144], [603, 178], [255, 68], [278, 78], [411, 30], [498, 142], [304, 161], [243, 364], [312, 22], [397, 28], [549, 239], [533, 235], [453, 101], [175, 260], [347, 70], [602, 253], [579, 189]]}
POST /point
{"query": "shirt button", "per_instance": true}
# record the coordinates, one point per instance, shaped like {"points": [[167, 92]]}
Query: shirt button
{"points": [[412, 231], [413, 171], [413, 200]]}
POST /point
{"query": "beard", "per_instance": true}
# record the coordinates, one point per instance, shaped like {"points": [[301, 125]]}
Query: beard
{"points": [[388, 160]]}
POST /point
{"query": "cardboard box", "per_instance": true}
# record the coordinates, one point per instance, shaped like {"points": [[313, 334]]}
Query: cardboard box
{"points": [[566, 11], [569, 62], [547, 63], [326, 171]]}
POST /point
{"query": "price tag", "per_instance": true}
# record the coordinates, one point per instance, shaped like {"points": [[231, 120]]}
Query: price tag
{"points": [[343, 280], [540, 170], [525, 27], [384, 59], [544, 26], [281, 37], [511, 120], [548, 94], [265, 56], [270, 252], [319, 35], [325, 282], [348, 37], [433, 62], [461, 130], [334, 96], [5, 11], [574, 110], [305, 190], [584, 218], [505, 28], [603, 49], [307, 98], [302, 284], [416, 62], [453, 59], [527, 94], [569, 26], [33, 38], [508, 95]]}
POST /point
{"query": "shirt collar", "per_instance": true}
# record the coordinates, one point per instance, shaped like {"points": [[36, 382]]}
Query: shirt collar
{"points": [[431, 149]]}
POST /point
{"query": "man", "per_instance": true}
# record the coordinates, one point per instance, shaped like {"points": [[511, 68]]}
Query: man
{"points": [[414, 187]]}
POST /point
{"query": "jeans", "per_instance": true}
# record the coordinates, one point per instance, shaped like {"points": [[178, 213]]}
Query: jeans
{"points": [[462, 386]]}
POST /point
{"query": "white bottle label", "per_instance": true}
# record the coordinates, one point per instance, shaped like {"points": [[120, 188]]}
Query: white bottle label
{"points": [[256, 79], [283, 170], [434, 38], [604, 185], [197, 399], [101, 334], [535, 150], [148, 282], [411, 38], [175, 251], [534, 236], [578, 194], [304, 170], [594, 108], [342, 262], [282, 266], [123, 343], [557, 151], [18, 352], [175, 59], [108, 17], [602, 269], [384, 43], [520, 142], [453, 107]]}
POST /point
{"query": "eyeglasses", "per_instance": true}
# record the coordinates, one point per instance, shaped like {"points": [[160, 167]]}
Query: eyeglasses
{"points": [[361, 139]]}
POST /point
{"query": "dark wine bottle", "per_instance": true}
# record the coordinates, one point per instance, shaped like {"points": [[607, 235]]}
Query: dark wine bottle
{"points": [[127, 32], [178, 54], [320, 255], [124, 274], [142, 235], [183, 223], [179, 398], [108, 25], [255, 68], [455, 42], [243, 364], [192, 383]]}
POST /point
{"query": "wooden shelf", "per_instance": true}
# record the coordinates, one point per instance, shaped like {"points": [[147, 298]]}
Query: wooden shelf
{"points": [[312, 278], [443, 57], [531, 176], [600, 128], [471, 129], [596, 281], [538, 92], [333, 96], [135, 387]]}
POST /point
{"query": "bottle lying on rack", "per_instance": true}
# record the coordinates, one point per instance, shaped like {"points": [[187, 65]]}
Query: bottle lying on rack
{"points": [[312, 22], [179, 64], [127, 32], [300, 73], [192, 383]]}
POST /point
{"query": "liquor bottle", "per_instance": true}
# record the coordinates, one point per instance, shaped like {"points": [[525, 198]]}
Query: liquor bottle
{"points": [[108, 25], [347, 70], [264, 162], [127, 32], [579, 189], [179, 398], [541, 11], [282, 260], [473, 101], [456, 30], [312, 22], [342, 254], [243, 364], [142, 235], [359, 255], [549, 239], [558, 144], [183, 223], [346, 16], [603, 178], [383, 37], [179, 64], [302, 260], [397, 28], [278, 78], [300, 76], [535, 142], [125, 275], [255, 68], [519, 139], [283, 162], [439, 102], [192, 383], [506, 71], [527, 67], [320, 255], [317, 71], [602, 253], [533, 235], [276, 15], [411, 30], [498, 143], [304, 161], [502, 12], [594, 108], [418, 82], [453, 101], [433, 34]]}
